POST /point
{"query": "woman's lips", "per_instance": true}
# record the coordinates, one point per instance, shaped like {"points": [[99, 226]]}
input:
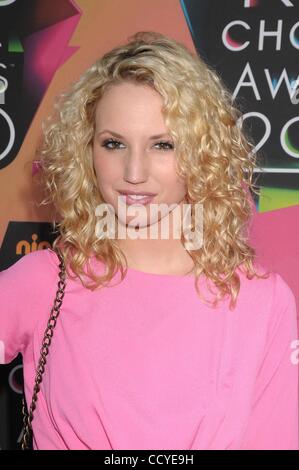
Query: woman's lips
{"points": [[130, 200]]}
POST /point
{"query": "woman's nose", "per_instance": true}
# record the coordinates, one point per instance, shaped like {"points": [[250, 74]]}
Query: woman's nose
{"points": [[136, 168]]}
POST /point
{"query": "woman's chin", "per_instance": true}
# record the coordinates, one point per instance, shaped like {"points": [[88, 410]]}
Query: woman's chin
{"points": [[132, 225]]}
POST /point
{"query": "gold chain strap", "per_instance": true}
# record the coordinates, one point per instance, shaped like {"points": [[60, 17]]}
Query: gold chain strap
{"points": [[27, 418]]}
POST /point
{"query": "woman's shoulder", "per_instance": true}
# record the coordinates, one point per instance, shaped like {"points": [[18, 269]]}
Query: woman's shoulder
{"points": [[273, 284], [34, 264], [269, 297], [44, 257]]}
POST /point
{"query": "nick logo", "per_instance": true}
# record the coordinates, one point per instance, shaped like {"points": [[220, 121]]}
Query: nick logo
{"points": [[24, 247]]}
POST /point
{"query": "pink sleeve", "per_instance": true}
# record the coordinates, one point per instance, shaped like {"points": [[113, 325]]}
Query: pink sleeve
{"points": [[273, 421], [22, 295]]}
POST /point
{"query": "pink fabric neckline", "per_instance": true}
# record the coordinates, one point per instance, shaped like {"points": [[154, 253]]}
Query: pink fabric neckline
{"points": [[175, 276]]}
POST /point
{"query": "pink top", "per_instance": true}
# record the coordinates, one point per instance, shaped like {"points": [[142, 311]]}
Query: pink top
{"points": [[145, 364]]}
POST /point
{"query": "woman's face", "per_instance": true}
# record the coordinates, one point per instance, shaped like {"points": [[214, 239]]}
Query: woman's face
{"points": [[126, 156]]}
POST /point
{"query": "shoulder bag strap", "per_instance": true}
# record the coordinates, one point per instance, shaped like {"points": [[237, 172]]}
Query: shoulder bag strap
{"points": [[27, 418]]}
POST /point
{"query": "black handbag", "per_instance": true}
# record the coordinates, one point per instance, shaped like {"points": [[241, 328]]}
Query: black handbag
{"points": [[27, 439]]}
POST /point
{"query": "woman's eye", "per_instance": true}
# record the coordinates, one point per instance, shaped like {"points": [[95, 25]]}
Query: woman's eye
{"points": [[107, 142], [166, 145]]}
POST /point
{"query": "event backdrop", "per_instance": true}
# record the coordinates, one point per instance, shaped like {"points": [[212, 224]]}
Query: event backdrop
{"points": [[46, 44]]}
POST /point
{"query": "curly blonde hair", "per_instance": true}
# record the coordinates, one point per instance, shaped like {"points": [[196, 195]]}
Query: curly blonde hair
{"points": [[213, 153]]}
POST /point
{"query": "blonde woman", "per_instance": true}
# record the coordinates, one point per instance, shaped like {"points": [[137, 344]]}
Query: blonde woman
{"points": [[161, 343]]}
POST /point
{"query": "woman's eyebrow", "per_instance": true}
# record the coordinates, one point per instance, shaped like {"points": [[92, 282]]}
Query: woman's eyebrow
{"points": [[158, 136]]}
